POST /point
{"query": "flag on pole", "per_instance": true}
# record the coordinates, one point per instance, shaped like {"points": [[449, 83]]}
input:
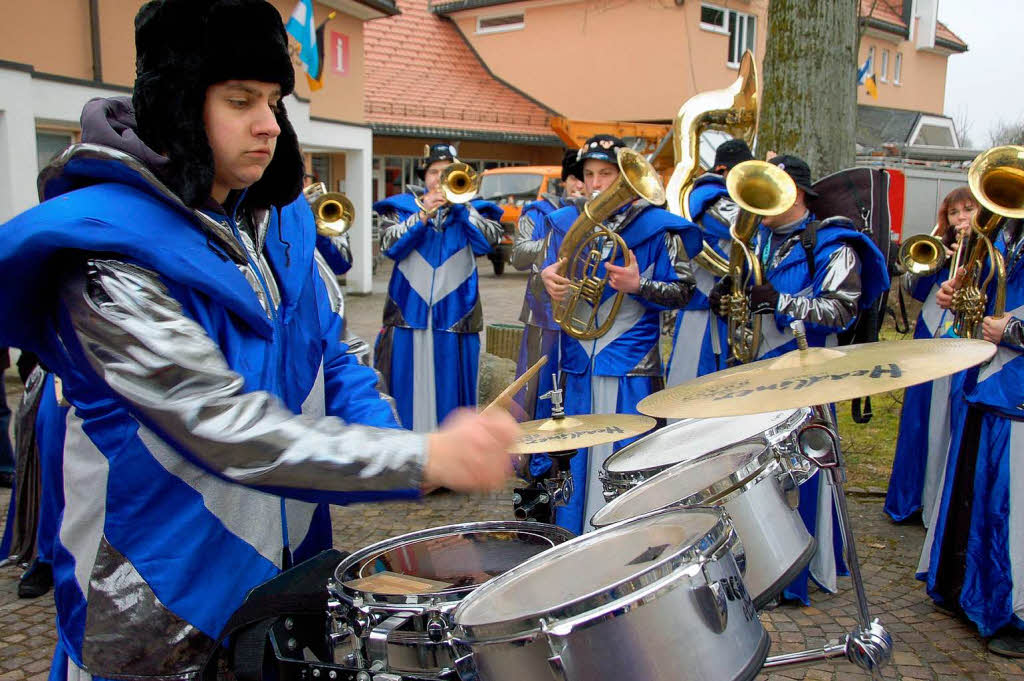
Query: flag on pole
{"points": [[872, 86], [863, 71], [302, 27], [316, 81]]}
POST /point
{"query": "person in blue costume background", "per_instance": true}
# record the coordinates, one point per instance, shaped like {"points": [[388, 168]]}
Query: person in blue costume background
{"points": [[429, 348], [611, 374], [923, 439], [168, 278], [699, 345], [976, 562], [825, 286], [540, 333]]}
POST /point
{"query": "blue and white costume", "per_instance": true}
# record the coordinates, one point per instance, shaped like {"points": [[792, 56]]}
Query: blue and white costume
{"points": [[429, 349], [699, 344], [200, 352], [985, 564], [923, 440], [850, 275], [335, 252], [611, 374]]}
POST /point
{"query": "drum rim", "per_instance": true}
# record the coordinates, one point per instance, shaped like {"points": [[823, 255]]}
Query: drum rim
{"points": [[685, 560], [763, 435], [717, 493], [553, 533]]}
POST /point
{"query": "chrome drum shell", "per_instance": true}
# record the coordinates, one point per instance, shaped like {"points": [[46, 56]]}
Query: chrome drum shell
{"points": [[658, 598], [760, 496]]}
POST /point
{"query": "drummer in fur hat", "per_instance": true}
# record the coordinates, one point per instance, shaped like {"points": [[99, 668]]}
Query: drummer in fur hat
{"points": [[168, 278]]}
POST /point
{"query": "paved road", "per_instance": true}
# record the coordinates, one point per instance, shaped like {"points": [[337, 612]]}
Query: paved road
{"points": [[929, 644]]}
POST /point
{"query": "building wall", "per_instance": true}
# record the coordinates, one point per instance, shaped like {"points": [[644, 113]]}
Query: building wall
{"points": [[30, 31], [653, 55], [922, 84]]}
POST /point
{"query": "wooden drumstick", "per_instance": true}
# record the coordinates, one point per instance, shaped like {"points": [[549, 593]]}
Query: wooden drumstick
{"points": [[506, 395]]}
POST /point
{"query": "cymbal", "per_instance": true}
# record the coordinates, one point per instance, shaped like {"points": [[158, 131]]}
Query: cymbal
{"points": [[575, 432], [817, 376]]}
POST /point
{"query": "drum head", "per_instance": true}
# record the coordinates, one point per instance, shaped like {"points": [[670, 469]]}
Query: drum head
{"points": [[691, 439], [444, 561], [712, 476], [593, 568]]}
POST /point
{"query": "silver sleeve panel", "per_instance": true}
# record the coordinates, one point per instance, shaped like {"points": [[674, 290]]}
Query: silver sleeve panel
{"points": [[393, 228], [527, 251], [836, 306], [137, 338], [491, 229], [671, 294], [1013, 334]]}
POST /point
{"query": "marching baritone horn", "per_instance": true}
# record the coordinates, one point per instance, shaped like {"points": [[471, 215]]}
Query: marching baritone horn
{"points": [[333, 211], [458, 183], [996, 180], [588, 244], [760, 189]]}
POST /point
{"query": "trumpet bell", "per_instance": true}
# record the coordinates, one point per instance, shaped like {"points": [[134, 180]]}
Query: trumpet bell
{"points": [[459, 182], [761, 188], [922, 254], [333, 212]]}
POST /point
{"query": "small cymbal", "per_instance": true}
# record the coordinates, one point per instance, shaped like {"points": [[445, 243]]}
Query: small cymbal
{"points": [[576, 432], [817, 376]]}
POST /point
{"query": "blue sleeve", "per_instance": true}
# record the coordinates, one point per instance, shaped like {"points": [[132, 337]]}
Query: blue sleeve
{"points": [[335, 257], [554, 243], [400, 239], [655, 251]]}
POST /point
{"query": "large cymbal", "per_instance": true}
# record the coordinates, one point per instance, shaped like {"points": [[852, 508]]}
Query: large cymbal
{"points": [[575, 432], [817, 376]]}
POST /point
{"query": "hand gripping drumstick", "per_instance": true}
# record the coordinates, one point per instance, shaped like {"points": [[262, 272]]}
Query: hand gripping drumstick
{"points": [[505, 397]]}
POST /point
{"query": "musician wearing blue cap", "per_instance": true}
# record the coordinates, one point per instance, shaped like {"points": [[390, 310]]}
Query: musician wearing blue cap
{"points": [[429, 349], [613, 372], [823, 274]]}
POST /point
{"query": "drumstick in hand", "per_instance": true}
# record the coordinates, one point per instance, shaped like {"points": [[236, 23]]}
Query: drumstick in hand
{"points": [[504, 399]]}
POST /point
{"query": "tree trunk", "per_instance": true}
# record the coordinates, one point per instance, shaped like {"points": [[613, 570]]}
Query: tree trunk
{"points": [[809, 102]]}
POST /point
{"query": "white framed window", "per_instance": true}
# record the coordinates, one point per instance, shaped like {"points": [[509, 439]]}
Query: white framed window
{"points": [[897, 69], [501, 23], [714, 19], [884, 71], [742, 35], [49, 143]]}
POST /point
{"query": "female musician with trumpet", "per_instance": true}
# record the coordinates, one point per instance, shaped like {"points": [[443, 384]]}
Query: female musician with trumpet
{"points": [[923, 439], [428, 351], [609, 370], [975, 558]]}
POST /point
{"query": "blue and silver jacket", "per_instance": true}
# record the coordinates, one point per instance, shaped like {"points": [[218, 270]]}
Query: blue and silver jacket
{"points": [[528, 253], [712, 208], [850, 275], [1000, 386], [434, 283], [630, 347], [336, 252], [200, 353]]}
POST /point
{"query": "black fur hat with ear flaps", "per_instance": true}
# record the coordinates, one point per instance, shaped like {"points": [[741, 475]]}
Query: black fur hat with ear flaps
{"points": [[184, 46]]}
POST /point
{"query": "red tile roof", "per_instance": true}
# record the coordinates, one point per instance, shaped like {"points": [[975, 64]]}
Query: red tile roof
{"points": [[422, 75], [891, 12]]}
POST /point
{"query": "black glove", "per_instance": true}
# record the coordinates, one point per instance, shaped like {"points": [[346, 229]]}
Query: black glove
{"points": [[763, 299], [723, 287]]}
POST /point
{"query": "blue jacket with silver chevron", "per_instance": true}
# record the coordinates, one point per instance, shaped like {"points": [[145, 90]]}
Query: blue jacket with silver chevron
{"points": [[201, 361], [434, 284], [631, 345]]}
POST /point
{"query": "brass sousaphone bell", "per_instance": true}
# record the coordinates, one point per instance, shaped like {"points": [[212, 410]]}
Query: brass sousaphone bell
{"points": [[588, 244], [333, 211]]}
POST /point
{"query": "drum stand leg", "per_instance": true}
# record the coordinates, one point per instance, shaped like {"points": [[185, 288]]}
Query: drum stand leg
{"points": [[869, 646]]}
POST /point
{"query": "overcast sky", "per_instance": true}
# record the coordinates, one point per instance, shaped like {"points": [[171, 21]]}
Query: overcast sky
{"points": [[987, 81]]}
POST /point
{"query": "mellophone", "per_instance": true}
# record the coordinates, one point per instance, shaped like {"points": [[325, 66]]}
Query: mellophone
{"points": [[700, 532]]}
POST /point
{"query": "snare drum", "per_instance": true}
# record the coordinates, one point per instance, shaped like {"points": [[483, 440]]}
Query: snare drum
{"points": [[756, 489], [657, 598], [390, 603], [693, 439]]}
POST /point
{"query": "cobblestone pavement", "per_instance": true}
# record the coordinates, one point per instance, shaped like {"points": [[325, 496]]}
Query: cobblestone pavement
{"points": [[928, 643]]}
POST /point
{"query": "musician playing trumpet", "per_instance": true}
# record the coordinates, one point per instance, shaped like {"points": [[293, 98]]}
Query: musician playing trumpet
{"points": [[428, 351], [612, 373]]}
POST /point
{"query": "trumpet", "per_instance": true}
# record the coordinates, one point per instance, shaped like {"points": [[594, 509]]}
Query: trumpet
{"points": [[458, 183], [588, 244], [333, 212], [760, 189], [996, 180], [923, 254]]}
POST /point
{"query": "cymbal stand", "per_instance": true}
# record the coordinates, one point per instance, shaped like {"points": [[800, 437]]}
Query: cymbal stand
{"points": [[870, 645], [555, 490]]}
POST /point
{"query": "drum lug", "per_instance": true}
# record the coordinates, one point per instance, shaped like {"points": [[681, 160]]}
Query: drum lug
{"points": [[377, 643], [465, 667], [712, 603], [790, 487], [556, 638]]}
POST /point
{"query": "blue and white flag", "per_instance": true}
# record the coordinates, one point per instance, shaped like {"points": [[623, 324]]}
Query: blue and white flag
{"points": [[302, 27], [862, 71]]}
